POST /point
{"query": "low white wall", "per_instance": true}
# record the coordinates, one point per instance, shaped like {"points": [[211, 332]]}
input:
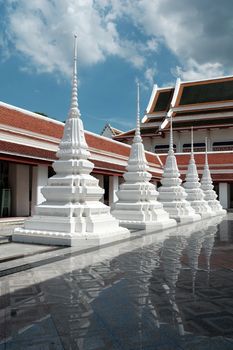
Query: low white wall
{"points": [[39, 180], [113, 188]]}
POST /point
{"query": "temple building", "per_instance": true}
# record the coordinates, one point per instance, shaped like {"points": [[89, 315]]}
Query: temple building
{"points": [[28, 146], [207, 106], [29, 142]]}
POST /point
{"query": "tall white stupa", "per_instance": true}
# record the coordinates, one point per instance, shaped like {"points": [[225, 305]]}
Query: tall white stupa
{"points": [[171, 194], [137, 206], [195, 195], [208, 188], [72, 213]]}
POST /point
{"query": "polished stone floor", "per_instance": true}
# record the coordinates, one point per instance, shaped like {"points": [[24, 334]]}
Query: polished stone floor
{"points": [[166, 291]]}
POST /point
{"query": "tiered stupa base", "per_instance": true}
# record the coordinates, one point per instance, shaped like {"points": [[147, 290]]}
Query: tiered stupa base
{"points": [[141, 214], [138, 222], [180, 213], [95, 230], [216, 207], [84, 241], [201, 208], [174, 202]]}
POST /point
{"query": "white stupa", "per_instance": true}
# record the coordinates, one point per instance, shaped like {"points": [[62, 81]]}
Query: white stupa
{"points": [[72, 213], [208, 188], [137, 206], [171, 194], [195, 195]]}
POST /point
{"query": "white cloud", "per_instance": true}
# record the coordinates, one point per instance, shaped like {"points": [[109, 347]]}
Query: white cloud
{"points": [[195, 71], [41, 31], [149, 76], [198, 33]]}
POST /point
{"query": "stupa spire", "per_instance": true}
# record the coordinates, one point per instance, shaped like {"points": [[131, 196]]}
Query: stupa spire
{"points": [[192, 153], [137, 137], [73, 143], [74, 109], [193, 187], [137, 205], [206, 152], [171, 148]]}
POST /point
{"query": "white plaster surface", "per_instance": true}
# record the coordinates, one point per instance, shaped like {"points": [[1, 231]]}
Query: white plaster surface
{"points": [[224, 194], [19, 184]]}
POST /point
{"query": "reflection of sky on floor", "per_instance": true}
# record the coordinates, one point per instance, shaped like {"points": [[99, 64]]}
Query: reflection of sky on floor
{"points": [[162, 291]]}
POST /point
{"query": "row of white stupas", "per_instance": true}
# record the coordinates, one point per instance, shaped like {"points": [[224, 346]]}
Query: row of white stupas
{"points": [[73, 213]]}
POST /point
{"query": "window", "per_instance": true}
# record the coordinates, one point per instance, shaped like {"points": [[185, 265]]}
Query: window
{"points": [[163, 148], [197, 147], [223, 146]]}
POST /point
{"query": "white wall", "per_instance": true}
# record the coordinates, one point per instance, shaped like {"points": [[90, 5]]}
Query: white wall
{"points": [[224, 194], [182, 137], [218, 135], [19, 184], [101, 183], [39, 180], [113, 188]]}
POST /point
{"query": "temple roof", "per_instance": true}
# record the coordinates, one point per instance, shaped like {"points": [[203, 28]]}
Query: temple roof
{"points": [[114, 131], [199, 98], [29, 138]]}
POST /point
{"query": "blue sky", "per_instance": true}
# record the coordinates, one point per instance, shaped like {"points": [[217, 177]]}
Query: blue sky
{"points": [[120, 41]]}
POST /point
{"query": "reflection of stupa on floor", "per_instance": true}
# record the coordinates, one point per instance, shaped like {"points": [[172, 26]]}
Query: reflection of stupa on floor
{"points": [[194, 245], [137, 206], [72, 213], [208, 189], [209, 240], [171, 194], [195, 195], [170, 259]]}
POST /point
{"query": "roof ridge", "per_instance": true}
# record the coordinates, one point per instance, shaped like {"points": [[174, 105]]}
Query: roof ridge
{"points": [[29, 113]]}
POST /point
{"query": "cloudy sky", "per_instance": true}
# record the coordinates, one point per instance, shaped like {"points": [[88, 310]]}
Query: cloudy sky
{"points": [[120, 41]]}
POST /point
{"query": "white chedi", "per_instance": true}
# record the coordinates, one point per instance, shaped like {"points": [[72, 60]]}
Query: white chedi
{"points": [[208, 189], [195, 195], [72, 213], [137, 206], [171, 194]]}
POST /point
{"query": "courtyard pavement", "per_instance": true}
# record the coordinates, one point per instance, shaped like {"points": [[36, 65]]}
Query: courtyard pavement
{"points": [[166, 291]]}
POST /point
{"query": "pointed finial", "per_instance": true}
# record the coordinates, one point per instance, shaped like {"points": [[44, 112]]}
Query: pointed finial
{"points": [[137, 130], [192, 141], [171, 150], [206, 150], [74, 110]]}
